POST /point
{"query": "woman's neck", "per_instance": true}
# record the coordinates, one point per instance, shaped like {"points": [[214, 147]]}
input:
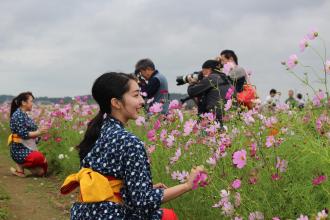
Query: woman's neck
{"points": [[119, 117], [23, 109]]}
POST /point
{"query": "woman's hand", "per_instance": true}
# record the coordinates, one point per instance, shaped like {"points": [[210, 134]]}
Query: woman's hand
{"points": [[160, 186], [192, 176], [42, 130]]}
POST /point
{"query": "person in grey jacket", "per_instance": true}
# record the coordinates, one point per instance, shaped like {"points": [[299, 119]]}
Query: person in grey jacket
{"points": [[211, 90], [156, 86]]}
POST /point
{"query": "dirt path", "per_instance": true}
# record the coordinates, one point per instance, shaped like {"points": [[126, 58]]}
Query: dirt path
{"points": [[33, 198]]}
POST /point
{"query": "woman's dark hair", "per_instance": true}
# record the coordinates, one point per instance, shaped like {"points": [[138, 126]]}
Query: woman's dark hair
{"points": [[107, 86], [17, 101], [272, 91], [230, 54]]}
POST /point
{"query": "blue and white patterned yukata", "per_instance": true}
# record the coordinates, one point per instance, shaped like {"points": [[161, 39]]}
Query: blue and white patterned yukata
{"points": [[122, 155], [21, 124]]}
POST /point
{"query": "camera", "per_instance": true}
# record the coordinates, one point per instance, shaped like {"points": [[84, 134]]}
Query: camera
{"points": [[193, 77], [141, 81]]}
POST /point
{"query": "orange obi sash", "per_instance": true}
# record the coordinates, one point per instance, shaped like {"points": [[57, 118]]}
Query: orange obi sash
{"points": [[94, 187], [14, 138]]}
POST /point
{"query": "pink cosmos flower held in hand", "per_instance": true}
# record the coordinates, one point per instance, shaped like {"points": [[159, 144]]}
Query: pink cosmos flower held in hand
{"points": [[239, 159], [200, 180]]}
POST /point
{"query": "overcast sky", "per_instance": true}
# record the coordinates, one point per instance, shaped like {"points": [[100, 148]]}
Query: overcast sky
{"points": [[58, 48]]}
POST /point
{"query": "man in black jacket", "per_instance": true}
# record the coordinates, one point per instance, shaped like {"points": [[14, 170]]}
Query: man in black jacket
{"points": [[211, 90]]}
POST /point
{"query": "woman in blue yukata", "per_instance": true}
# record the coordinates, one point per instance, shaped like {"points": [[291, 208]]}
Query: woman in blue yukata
{"points": [[115, 178], [23, 140]]}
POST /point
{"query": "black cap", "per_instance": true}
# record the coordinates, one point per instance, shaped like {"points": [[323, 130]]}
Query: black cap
{"points": [[213, 64]]}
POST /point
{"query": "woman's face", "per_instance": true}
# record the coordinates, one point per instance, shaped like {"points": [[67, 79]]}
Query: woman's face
{"points": [[132, 102], [27, 105]]}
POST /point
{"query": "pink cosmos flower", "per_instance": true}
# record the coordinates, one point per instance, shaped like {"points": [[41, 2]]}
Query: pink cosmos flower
{"points": [[156, 108], [237, 199], [312, 34], [212, 161], [239, 158], [140, 121], [180, 115], [176, 157], [174, 104], [189, 126], [256, 216], [318, 98], [228, 67], [292, 61], [322, 215], [228, 104], [276, 218], [253, 149], [270, 140], [200, 180], [281, 164], [151, 149], [269, 122], [170, 141], [318, 180], [163, 135], [303, 44], [303, 217], [151, 135], [236, 184], [327, 66], [181, 176]]}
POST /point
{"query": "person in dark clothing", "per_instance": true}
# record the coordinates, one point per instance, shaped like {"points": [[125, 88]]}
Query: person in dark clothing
{"points": [[211, 89], [237, 74], [156, 86]]}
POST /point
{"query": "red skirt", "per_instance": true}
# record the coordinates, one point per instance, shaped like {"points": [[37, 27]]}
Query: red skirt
{"points": [[36, 159], [169, 214]]}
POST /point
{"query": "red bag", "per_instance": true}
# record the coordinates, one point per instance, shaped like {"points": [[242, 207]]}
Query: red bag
{"points": [[247, 96]]}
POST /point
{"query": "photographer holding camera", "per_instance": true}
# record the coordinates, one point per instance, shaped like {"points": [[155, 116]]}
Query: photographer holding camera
{"points": [[210, 88], [152, 82]]}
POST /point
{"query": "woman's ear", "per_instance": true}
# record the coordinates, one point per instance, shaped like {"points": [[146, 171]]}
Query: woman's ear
{"points": [[115, 103]]}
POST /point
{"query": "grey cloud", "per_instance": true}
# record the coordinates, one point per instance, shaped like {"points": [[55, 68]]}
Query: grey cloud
{"points": [[59, 47]]}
